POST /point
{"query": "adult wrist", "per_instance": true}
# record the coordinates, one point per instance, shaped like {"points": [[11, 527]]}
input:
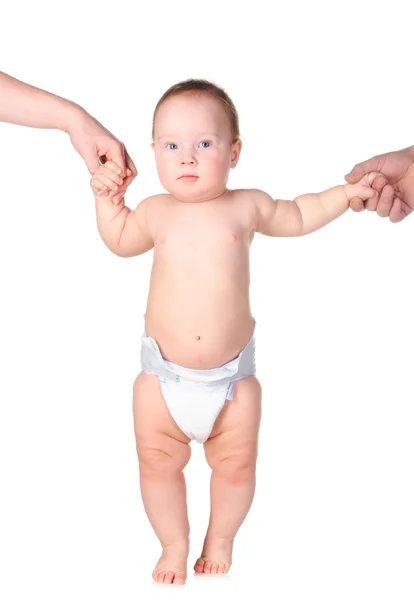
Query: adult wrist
{"points": [[72, 117]]}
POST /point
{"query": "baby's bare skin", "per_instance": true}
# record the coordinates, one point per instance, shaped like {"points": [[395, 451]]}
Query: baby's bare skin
{"points": [[198, 311], [198, 306]]}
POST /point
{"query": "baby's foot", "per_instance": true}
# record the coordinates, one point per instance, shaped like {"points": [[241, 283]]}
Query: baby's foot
{"points": [[215, 557], [172, 566]]}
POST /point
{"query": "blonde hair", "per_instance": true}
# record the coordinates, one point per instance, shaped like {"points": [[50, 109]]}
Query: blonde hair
{"points": [[202, 86]]}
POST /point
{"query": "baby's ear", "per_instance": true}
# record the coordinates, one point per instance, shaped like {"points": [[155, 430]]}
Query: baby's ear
{"points": [[235, 152], [152, 145]]}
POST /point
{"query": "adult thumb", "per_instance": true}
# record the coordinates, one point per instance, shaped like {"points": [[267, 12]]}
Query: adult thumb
{"points": [[362, 169], [90, 157]]}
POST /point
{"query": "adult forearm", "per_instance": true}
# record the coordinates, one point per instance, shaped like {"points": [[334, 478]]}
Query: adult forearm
{"points": [[320, 209], [23, 104]]}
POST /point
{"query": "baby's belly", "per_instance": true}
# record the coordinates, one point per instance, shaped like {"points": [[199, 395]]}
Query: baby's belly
{"points": [[200, 324]]}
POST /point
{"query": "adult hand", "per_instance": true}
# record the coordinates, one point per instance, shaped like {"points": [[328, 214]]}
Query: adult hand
{"points": [[24, 104], [395, 184], [93, 142]]}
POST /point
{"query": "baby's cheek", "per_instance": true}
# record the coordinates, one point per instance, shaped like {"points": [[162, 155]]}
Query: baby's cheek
{"points": [[165, 165]]}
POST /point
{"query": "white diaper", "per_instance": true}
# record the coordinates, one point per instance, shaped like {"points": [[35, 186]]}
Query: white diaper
{"points": [[196, 397]]}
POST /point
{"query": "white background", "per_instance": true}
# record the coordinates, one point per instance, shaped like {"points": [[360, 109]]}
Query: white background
{"points": [[318, 88]]}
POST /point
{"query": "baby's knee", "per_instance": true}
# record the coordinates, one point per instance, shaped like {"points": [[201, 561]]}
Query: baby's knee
{"points": [[237, 467], [156, 462]]}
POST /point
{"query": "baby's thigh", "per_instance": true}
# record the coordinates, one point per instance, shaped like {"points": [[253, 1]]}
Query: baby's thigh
{"points": [[236, 431], [158, 437]]}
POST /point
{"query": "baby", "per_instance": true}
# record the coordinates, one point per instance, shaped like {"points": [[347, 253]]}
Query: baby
{"points": [[198, 347]]}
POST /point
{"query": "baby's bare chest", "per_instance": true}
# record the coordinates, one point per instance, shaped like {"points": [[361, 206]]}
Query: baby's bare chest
{"points": [[213, 234], [207, 238]]}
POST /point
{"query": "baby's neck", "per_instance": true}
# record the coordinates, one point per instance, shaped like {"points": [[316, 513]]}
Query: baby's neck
{"points": [[201, 201]]}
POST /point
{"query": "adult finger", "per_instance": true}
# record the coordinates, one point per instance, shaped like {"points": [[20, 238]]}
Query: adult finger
{"points": [[131, 166], [385, 201], [361, 169], [379, 182], [396, 213], [90, 156], [356, 204]]}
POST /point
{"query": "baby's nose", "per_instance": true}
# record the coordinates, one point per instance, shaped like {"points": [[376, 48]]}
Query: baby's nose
{"points": [[188, 159]]}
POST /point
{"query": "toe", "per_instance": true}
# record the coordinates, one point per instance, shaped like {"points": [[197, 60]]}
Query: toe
{"points": [[207, 566], [199, 566], [214, 568], [203, 565], [169, 576], [161, 576], [179, 578]]}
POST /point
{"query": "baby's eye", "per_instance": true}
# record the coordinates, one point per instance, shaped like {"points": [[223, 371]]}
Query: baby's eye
{"points": [[208, 144], [168, 146]]}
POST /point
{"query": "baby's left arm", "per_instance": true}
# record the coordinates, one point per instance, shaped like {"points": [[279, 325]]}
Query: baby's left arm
{"points": [[309, 212]]}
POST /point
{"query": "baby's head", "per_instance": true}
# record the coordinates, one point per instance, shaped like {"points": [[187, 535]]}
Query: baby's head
{"points": [[195, 132]]}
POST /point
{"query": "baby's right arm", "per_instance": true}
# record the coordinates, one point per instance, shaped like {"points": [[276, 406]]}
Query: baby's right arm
{"points": [[124, 231]]}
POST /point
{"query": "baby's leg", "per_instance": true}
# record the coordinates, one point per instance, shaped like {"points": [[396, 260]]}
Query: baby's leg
{"points": [[231, 452], [163, 451]]}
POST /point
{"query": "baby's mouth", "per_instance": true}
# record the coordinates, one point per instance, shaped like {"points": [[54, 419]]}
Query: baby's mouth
{"points": [[189, 177]]}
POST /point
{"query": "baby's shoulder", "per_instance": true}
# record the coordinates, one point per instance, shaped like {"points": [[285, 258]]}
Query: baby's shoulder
{"points": [[153, 207], [156, 199], [253, 196], [249, 204], [155, 203], [252, 193]]}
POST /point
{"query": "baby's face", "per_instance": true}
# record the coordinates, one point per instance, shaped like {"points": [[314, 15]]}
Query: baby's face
{"points": [[192, 136]]}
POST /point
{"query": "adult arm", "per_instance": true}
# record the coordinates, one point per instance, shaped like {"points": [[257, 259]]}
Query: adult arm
{"points": [[24, 104]]}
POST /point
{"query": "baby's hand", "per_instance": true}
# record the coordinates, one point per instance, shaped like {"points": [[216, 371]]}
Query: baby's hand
{"points": [[106, 180], [362, 189]]}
